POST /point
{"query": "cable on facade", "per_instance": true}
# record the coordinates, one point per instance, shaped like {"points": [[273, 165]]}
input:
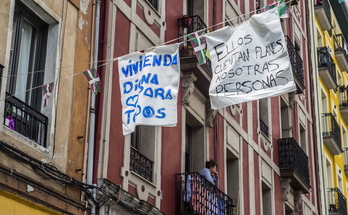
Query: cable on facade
{"points": [[49, 172]]}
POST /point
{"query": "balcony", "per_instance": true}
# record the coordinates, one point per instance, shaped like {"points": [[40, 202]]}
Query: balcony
{"points": [[331, 134], [296, 64], [25, 120], [337, 202], [323, 14], [141, 165], [196, 195], [327, 69], [343, 94], [188, 59], [293, 164], [346, 161], [341, 52], [112, 196], [264, 128]]}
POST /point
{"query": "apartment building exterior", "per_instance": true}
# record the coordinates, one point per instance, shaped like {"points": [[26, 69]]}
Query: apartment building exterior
{"points": [[265, 149], [330, 64], [43, 145]]}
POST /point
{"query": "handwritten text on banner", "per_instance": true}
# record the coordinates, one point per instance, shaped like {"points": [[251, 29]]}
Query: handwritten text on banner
{"points": [[249, 61], [149, 87]]}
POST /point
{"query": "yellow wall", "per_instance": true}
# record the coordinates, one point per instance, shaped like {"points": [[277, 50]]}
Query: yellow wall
{"points": [[12, 205]]}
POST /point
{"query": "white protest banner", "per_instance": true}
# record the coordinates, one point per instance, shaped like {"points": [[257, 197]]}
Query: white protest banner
{"points": [[249, 61], [149, 86]]}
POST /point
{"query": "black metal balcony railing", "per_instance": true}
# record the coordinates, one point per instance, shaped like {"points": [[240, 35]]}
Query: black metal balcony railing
{"points": [[27, 121], [291, 156], [337, 202], [341, 44], [196, 195], [325, 60], [191, 24], [331, 128], [326, 6], [295, 59], [263, 128], [141, 164]]}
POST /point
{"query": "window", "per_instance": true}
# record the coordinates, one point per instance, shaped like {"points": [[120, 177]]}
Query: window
{"points": [[260, 4], [303, 138], [194, 144], [154, 4], [232, 164], [263, 111], [266, 199], [28, 50], [188, 146], [142, 151], [285, 119], [27, 62]]}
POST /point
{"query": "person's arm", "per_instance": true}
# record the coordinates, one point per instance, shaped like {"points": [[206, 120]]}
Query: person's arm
{"points": [[215, 176], [217, 181], [207, 175]]}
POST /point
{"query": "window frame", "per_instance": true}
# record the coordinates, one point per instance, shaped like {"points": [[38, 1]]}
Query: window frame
{"points": [[36, 59]]}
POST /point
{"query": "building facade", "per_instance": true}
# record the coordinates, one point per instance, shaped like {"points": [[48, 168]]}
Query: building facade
{"points": [[265, 149], [43, 145], [330, 63]]}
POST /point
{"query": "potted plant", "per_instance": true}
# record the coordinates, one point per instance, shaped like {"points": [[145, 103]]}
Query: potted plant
{"points": [[186, 21], [9, 122]]}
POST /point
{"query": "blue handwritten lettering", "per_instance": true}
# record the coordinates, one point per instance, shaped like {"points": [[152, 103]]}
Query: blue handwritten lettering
{"points": [[148, 112], [161, 112], [149, 60]]}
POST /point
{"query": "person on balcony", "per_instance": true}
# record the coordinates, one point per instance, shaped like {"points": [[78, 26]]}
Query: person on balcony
{"points": [[210, 172]]}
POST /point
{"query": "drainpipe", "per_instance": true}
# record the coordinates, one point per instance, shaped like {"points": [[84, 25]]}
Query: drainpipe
{"points": [[90, 155]]}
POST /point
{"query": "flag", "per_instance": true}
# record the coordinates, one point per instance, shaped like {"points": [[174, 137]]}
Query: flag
{"points": [[93, 79], [207, 53], [46, 92], [283, 9], [199, 45]]}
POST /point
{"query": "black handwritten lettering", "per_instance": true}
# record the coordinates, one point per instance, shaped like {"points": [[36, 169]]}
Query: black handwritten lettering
{"points": [[218, 53], [281, 77]]}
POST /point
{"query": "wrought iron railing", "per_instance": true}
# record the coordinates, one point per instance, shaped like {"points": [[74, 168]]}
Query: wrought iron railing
{"points": [[337, 201], [191, 24], [326, 5], [25, 120], [263, 128], [325, 60], [343, 96], [141, 164], [341, 44], [153, 3], [196, 195], [295, 59], [331, 128], [291, 156], [188, 25]]}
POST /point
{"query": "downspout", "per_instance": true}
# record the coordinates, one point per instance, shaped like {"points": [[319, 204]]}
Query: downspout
{"points": [[317, 141], [91, 136]]}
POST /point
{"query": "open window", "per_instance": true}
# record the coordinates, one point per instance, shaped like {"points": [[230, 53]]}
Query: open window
{"points": [[34, 32]]}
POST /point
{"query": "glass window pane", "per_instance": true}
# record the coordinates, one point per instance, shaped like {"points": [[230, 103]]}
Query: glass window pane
{"points": [[24, 60]]}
